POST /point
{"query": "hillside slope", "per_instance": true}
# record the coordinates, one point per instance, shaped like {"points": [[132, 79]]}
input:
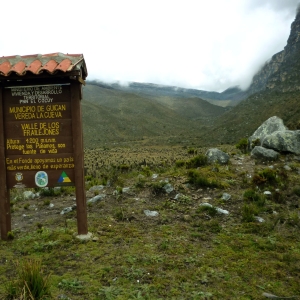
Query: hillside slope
{"points": [[114, 116], [275, 91]]}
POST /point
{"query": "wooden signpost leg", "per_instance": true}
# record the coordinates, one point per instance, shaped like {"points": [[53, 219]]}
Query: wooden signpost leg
{"points": [[78, 159], [5, 220]]}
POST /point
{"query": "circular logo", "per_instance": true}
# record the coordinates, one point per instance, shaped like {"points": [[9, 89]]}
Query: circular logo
{"points": [[41, 179], [19, 176]]}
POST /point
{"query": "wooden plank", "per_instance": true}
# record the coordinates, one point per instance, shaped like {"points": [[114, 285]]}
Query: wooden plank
{"points": [[5, 217], [78, 158]]}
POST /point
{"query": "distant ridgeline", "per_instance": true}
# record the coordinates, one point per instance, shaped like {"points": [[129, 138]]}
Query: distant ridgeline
{"points": [[138, 111]]}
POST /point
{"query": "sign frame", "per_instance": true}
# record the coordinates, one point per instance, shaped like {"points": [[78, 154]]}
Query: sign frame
{"points": [[75, 84]]}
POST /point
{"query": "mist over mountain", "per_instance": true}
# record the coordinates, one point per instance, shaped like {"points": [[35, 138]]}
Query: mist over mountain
{"points": [[142, 111]]}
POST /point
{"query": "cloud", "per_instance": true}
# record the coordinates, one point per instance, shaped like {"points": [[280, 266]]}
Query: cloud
{"points": [[209, 45]]}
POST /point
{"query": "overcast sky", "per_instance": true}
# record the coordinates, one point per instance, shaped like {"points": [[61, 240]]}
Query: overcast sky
{"points": [[205, 44]]}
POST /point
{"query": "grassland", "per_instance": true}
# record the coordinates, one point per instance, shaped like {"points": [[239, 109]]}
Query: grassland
{"points": [[187, 251]]}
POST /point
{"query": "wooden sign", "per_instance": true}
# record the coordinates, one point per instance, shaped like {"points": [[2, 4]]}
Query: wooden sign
{"points": [[41, 141], [38, 136]]}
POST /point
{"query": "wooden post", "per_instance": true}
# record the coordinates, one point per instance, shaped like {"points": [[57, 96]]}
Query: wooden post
{"points": [[78, 159], [5, 218]]}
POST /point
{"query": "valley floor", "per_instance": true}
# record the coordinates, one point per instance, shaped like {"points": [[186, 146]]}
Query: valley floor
{"points": [[153, 235]]}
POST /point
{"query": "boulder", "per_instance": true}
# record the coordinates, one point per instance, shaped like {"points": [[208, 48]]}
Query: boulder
{"points": [[96, 198], [151, 213], [262, 153], [283, 141], [215, 155], [268, 127]]}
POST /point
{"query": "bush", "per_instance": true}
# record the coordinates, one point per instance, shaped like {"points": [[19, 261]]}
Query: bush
{"points": [[180, 163], [265, 176], [158, 188], [194, 177], [192, 151], [210, 210], [30, 283], [251, 195], [248, 213], [242, 145], [197, 161], [296, 191]]}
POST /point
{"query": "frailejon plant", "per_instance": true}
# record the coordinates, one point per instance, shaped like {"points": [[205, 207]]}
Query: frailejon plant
{"points": [[30, 283]]}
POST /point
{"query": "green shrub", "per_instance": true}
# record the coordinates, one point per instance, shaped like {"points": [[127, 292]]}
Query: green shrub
{"points": [[146, 171], [196, 178], [197, 161], [192, 151], [242, 145], [30, 283], [296, 191], [124, 168], [210, 210], [180, 163], [250, 195], [253, 196], [266, 176], [248, 213], [158, 188]]}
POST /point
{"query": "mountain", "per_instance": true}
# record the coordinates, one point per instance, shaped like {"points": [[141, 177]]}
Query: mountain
{"points": [[151, 113], [275, 90], [113, 115], [156, 91]]}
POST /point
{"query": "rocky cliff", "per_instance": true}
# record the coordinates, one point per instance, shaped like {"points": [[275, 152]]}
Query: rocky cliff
{"points": [[281, 73]]}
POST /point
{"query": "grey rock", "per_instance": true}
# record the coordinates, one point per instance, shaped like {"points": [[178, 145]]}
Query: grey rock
{"points": [[168, 188], [68, 209], [259, 219], [125, 190], [150, 213], [177, 196], [96, 188], [226, 196], [215, 155], [283, 141], [222, 211], [154, 176], [28, 195], [262, 153], [268, 127], [287, 168], [206, 204], [96, 198]]}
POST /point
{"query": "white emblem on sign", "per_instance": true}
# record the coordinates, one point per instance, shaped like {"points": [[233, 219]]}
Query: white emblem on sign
{"points": [[41, 179], [19, 176]]}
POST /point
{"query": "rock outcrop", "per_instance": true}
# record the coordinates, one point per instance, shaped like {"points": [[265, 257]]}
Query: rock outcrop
{"points": [[215, 155], [283, 141], [273, 137], [281, 72], [271, 125], [262, 153]]}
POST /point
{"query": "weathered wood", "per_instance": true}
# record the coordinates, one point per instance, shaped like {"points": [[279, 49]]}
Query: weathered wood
{"points": [[5, 218], [78, 158]]}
